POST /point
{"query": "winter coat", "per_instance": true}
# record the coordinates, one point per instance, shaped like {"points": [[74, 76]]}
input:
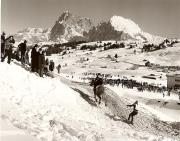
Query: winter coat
{"points": [[41, 61], [2, 43], [34, 58], [22, 47], [98, 81], [2, 39], [9, 43], [51, 66]]}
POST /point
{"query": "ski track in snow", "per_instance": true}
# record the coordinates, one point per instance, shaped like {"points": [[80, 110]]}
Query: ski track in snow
{"points": [[50, 110], [144, 121]]}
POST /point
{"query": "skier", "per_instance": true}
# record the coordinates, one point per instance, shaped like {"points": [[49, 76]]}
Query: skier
{"points": [[22, 48], [133, 113], [97, 82]]}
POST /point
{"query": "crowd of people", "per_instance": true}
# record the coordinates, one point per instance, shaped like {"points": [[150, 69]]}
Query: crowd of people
{"points": [[34, 57], [127, 83]]}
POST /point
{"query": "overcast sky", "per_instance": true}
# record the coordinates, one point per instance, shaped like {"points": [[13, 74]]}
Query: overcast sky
{"points": [[159, 17]]}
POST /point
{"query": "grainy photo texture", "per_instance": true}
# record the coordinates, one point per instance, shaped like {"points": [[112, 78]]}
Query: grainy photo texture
{"points": [[90, 70]]}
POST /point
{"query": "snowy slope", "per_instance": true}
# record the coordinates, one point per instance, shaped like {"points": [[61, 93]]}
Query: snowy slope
{"points": [[50, 110], [127, 26], [121, 24]]}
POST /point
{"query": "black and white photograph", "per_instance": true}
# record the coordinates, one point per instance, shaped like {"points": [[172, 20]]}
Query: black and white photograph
{"points": [[90, 70]]}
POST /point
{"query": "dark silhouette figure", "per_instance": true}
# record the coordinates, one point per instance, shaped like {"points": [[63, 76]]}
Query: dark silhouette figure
{"points": [[98, 87], [34, 59], [46, 67], [133, 113], [51, 66], [8, 49], [58, 68], [41, 62], [3, 40], [22, 48]]}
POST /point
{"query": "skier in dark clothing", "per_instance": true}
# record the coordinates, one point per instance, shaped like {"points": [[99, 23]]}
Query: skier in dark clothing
{"points": [[8, 49], [98, 88], [22, 48], [98, 81], [3, 40], [41, 62], [34, 59], [133, 113]]}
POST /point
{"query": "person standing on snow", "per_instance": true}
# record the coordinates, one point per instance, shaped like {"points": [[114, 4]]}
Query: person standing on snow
{"points": [[27, 57], [51, 66], [133, 113], [3, 40], [22, 48], [33, 58], [46, 67], [8, 49], [58, 68], [41, 62]]}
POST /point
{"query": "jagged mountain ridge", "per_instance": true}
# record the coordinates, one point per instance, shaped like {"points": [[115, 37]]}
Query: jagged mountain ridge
{"points": [[69, 27]]}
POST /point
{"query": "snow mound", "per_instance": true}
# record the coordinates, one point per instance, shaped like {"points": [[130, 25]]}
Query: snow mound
{"points": [[122, 24]]}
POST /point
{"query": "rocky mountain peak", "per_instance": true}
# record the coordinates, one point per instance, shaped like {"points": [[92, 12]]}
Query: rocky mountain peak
{"points": [[65, 16], [69, 26]]}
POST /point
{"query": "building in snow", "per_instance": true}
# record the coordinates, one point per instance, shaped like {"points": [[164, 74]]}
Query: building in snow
{"points": [[173, 80]]}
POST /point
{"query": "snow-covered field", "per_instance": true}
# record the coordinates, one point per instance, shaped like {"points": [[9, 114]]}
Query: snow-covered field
{"points": [[50, 110], [127, 64]]}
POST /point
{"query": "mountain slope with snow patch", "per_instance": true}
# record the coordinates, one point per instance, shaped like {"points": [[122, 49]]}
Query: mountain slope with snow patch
{"points": [[121, 24]]}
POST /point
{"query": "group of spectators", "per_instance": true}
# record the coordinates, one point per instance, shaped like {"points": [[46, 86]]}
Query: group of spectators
{"points": [[128, 83], [22, 53]]}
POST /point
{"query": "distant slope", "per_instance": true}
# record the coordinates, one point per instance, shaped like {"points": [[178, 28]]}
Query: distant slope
{"points": [[33, 35]]}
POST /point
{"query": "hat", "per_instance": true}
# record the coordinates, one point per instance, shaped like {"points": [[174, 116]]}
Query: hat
{"points": [[136, 102], [36, 45]]}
